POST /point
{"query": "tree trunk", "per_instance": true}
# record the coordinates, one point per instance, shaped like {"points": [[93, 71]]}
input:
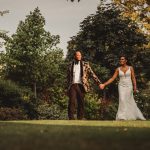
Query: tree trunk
{"points": [[35, 94]]}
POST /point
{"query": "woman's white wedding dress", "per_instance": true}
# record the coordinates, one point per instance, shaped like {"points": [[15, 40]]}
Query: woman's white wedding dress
{"points": [[128, 109]]}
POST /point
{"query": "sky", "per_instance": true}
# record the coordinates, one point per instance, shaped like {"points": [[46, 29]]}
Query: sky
{"points": [[62, 17]]}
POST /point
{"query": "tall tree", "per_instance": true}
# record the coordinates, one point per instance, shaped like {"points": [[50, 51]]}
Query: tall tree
{"points": [[137, 10], [104, 36], [31, 51]]}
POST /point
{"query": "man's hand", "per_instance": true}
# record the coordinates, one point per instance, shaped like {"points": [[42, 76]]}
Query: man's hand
{"points": [[101, 86]]}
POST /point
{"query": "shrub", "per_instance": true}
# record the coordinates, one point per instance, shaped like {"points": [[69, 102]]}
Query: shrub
{"points": [[12, 114], [143, 102], [92, 106], [58, 97], [10, 94], [14, 96], [98, 109], [108, 110], [53, 112]]}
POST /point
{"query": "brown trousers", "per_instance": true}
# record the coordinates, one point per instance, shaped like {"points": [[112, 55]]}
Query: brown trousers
{"points": [[76, 96]]}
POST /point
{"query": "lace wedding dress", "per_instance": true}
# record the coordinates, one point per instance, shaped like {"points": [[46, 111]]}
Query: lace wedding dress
{"points": [[128, 109]]}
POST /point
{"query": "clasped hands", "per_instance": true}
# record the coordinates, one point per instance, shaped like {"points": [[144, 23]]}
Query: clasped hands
{"points": [[102, 86]]}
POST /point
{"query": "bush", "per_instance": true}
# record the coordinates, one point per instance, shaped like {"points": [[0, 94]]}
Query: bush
{"points": [[52, 112], [13, 96], [56, 107], [10, 94], [58, 97], [30, 108], [143, 102], [12, 114], [98, 109], [108, 110], [92, 106]]}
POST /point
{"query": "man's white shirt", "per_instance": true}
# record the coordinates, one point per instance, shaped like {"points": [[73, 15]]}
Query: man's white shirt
{"points": [[77, 73]]}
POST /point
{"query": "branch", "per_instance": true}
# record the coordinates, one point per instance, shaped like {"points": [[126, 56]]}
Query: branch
{"points": [[74, 0], [4, 12]]}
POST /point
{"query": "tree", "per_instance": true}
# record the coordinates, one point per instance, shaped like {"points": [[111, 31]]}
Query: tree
{"points": [[4, 12], [31, 51], [104, 36], [3, 32], [136, 10]]}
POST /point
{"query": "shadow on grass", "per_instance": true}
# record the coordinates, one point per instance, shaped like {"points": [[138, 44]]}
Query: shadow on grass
{"points": [[24, 136]]}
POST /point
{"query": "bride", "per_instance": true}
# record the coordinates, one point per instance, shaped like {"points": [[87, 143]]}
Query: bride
{"points": [[128, 109]]}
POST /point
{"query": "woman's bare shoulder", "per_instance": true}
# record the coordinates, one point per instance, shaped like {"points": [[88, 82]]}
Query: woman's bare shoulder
{"points": [[117, 69], [131, 67]]}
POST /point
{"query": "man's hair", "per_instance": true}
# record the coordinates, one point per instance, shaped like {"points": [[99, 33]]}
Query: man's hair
{"points": [[76, 52]]}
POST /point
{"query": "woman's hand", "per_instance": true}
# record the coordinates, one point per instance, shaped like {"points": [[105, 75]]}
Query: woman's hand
{"points": [[135, 89], [102, 86]]}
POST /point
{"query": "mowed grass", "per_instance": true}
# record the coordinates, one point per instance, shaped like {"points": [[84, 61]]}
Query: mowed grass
{"points": [[74, 135]]}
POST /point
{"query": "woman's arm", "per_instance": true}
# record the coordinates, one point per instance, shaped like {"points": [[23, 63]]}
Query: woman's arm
{"points": [[133, 79], [113, 77], [102, 86], [93, 75]]}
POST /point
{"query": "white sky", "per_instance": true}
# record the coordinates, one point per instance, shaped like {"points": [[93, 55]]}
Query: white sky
{"points": [[62, 17]]}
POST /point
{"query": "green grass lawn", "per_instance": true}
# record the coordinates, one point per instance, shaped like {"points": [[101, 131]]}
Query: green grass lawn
{"points": [[74, 135]]}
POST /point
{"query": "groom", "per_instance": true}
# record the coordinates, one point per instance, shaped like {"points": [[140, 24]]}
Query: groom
{"points": [[77, 76]]}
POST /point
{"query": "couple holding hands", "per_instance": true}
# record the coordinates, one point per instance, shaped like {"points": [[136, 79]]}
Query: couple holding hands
{"points": [[77, 77]]}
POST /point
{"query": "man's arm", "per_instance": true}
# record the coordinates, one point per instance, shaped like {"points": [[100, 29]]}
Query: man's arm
{"points": [[94, 76]]}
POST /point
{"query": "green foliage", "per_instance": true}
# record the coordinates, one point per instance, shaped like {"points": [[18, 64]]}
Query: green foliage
{"points": [[3, 32], [99, 108], [104, 36], [31, 55], [7, 113], [54, 90], [33, 60], [52, 112], [56, 105], [137, 10], [108, 110], [13, 96], [143, 102], [4, 36], [92, 106], [57, 95]]}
